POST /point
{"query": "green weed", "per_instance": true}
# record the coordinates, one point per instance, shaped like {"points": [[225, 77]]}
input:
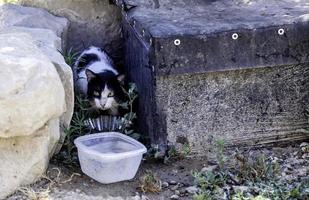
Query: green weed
{"points": [[149, 182], [70, 56], [220, 146]]}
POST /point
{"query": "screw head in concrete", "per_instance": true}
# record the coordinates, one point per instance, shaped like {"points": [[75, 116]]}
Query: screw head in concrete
{"points": [[177, 42], [281, 31], [234, 36]]}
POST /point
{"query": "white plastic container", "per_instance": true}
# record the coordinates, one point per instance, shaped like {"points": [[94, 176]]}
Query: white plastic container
{"points": [[109, 157]]}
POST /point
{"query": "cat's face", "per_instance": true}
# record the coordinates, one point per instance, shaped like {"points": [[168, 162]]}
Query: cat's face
{"points": [[104, 91]]}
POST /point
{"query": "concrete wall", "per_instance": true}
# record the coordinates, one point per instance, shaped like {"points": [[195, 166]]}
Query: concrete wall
{"points": [[243, 107]]}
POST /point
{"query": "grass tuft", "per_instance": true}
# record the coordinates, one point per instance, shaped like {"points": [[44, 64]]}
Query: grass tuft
{"points": [[149, 182]]}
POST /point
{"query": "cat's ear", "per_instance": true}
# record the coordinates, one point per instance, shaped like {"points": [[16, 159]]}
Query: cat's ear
{"points": [[90, 74], [121, 78]]}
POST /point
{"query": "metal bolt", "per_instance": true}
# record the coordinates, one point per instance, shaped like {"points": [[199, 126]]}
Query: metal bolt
{"points": [[235, 36], [281, 31], [177, 42]]}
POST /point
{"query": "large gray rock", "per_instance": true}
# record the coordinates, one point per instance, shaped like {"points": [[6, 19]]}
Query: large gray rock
{"points": [[50, 44], [36, 97], [31, 101], [93, 22], [25, 159], [13, 15], [49, 34], [31, 92]]}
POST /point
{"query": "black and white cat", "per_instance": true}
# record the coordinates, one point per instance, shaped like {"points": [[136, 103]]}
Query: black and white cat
{"points": [[98, 80]]}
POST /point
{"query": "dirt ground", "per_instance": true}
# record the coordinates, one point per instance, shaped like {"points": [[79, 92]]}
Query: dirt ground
{"points": [[81, 186], [72, 184]]}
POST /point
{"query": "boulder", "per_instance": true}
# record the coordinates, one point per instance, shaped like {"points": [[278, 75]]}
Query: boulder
{"points": [[50, 45], [31, 93], [93, 22], [25, 159], [49, 34], [14, 15], [36, 94]]}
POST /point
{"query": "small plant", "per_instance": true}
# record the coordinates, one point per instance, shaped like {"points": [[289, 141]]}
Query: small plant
{"points": [[239, 196], [127, 121], [31, 194], [277, 190], [150, 183], [220, 146], [186, 149], [203, 196], [68, 154], [253, 177], [70, 56], [209, 180], [174, 154], [256, 169]]}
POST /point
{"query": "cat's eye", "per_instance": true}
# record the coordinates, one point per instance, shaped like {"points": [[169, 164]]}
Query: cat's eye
{"points": [[96, 93], [110, 94]]}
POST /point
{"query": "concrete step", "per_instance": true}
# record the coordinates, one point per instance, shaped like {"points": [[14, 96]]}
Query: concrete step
{"points": [[236, 70]]}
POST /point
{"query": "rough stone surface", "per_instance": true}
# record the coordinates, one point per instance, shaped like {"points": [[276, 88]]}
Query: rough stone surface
{"points": [[183, 94], [24, 159], [50, 45], [244, 107], [13, 15], [32, 93], [36, 101], [45, 37], [188, 17], [31, 100], [93, 22]]}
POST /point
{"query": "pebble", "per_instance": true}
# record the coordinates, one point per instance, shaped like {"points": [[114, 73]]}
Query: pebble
{"points": [[137, 197], [177, 192], [175, 196], [302, 172], [144, 197], [305, 156], [234, 178], [173, 182], [182, 191], [165, 184], [175, 187], [209, 168], [305, 149], [240, 188], [192, 190], [304, 144]]}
